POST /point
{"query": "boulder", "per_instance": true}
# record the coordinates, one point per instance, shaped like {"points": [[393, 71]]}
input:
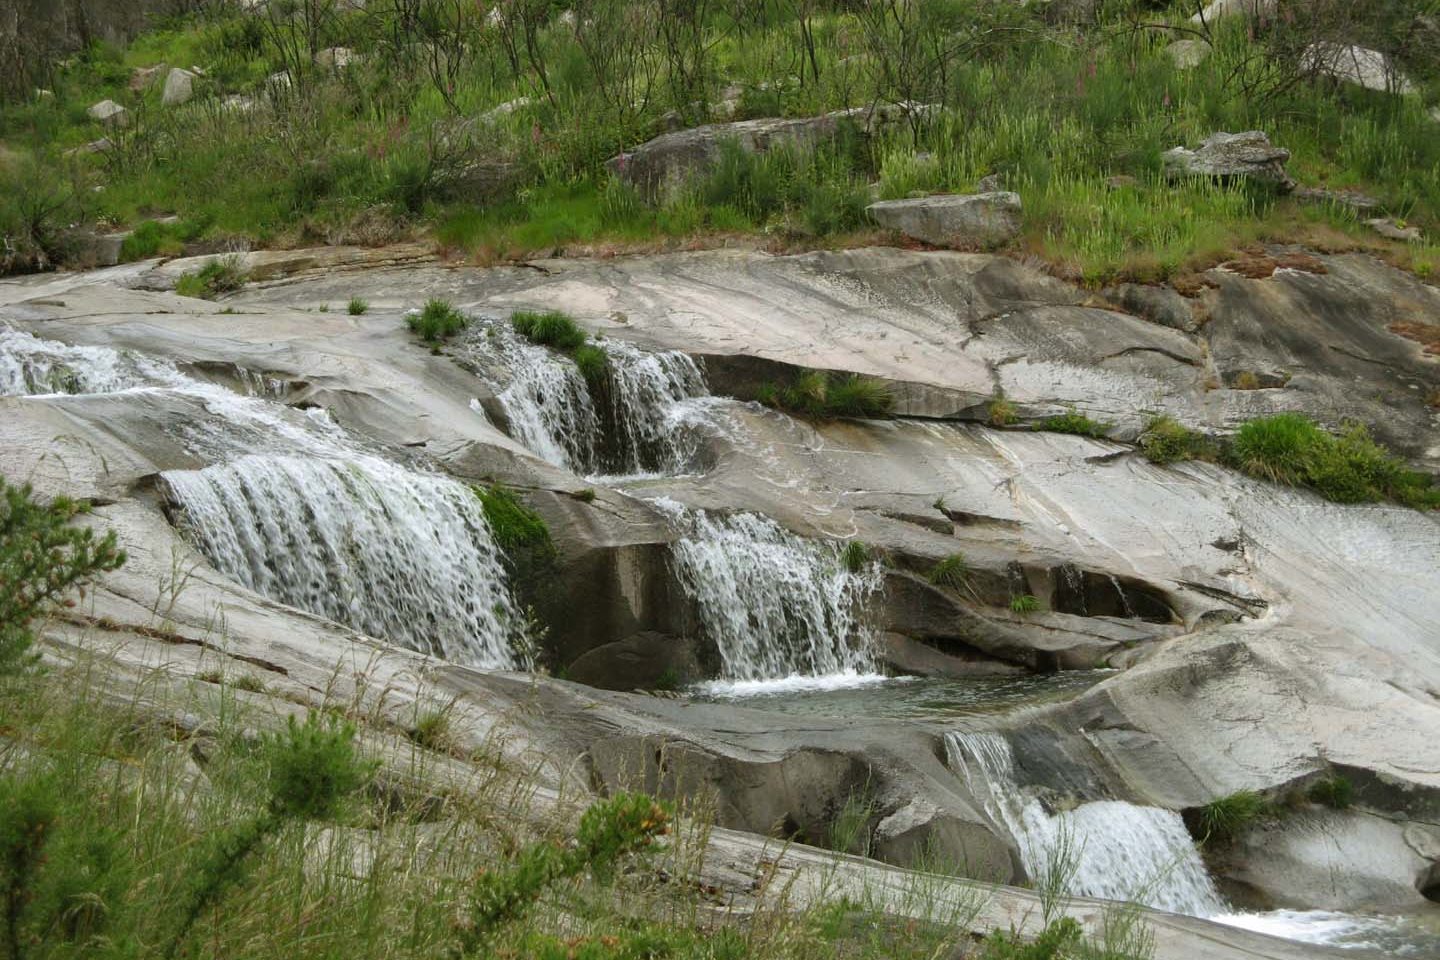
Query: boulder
{"points": [[1361, 66], [962, 221], [1188, 54], [179, 87], [335, 58], [1226, 8], [109, 113], [238, 103], [94, 146], [668, 161], [142, 78], [1353, 199], [497, 113], [1227, 156], [1392, 229]]}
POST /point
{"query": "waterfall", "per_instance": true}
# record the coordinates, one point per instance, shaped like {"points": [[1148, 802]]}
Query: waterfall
{"points": [[396, 554], [775, 604], [626, 423], [644, 393], [1120, 851], [30, 366]]}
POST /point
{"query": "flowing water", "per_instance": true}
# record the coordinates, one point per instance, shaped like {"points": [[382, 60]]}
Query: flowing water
{"points": [[626, 424], [802, 610], [1119, 851], [301, 512]]}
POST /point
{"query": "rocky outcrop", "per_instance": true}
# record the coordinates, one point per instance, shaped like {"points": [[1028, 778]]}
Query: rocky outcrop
{"points": [[963, 222], [668, 161], [1360, 66], [109, 113], [179, 87], [1232, 156]]}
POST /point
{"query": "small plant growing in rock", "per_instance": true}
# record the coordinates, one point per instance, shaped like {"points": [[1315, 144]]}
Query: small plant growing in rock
{"points": [[433, 730], [357, 307], [221, 275], [1024, 604], [593, 363], [1166, 440], [585, 496], [855, 556], [953, 572], [816, 394], [548, 329], [1001, 412], [1225, 818], [249, 683], [513, 525], [437, 321], [1336, 792], [1075, 422]]}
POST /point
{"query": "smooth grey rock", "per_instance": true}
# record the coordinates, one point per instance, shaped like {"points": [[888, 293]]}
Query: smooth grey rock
{"points": [[109, 113], [1248, 155], [645, 661], [1160, 305], [1187, 54], [964, 221], [1361, 66], [1227, 8], [179, 87], [1391, 229], [1346, 198]]}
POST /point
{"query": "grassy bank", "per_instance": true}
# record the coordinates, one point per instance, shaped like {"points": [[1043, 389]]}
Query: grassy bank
{"points": [[405, 136]]}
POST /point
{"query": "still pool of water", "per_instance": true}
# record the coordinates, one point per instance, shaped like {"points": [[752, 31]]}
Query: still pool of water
{"points": [[900, 698]]}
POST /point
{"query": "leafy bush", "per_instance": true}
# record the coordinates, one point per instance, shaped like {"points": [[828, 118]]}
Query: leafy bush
{"points": [[1227, 817], [550, 329], [221, 275], [953, 571], [1166, 440], [1074, 422], [42, 558], [437, 321], [816, 394], [1348, 467], [357, 307]]}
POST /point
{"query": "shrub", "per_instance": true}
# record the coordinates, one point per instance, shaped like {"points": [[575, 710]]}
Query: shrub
{"points": [[1061, 939], [593, 363], [1348, 467], [953, 571], [1226, 818], [1074, 422], [816, 394], [221, 275], [1024, 604], [1001, 412], [1165, 440], [42, 558], [550, 329], [855, 556], [1336, 792], [357, 307], [437, 321]]}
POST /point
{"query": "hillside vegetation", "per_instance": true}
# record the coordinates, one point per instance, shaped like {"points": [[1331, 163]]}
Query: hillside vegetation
{"points": [[488, 126]]}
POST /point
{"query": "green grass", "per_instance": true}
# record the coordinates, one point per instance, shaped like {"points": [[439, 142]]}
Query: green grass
{"points": [[514, 525], [856, 556], [357, 307], [593, 363], [824, 396], [438, 321], [1226, 818], [1348, 467], [953, 571], [1166, 440], [1024, 604], [550, 328], [1076, 423], [219, 276], [433, 730], [1000, 412], [1336, 792]]}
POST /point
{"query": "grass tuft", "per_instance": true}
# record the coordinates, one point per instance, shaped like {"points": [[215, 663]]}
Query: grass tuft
{"points": [[357, 307], [438, 321], [549, 329], [1166, 440], [856, 556], [221, 275], [1077, 423], [821, 396], [1225, 818], [953, 571], [1024, 604]]}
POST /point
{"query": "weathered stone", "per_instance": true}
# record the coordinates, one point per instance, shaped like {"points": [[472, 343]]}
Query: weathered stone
{"points": [[179, 87], [1361, 66], [142, 78], [1228, 156], [109, 113], [1227, 8], [645, 661], [94, 146], [1160, 305], [238, 103], [670, 160], [1392, 229], [1353, 199], [990, 183], [1188, 54], [961, 221], [497, 113]]}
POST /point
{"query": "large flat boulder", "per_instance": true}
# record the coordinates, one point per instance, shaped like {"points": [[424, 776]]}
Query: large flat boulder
{"points": [[1232, 156], [959, 221]]}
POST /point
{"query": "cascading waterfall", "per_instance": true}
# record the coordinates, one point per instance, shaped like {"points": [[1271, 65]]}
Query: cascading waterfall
{"points": [[30, 366], [394, 553], [1121, 851], [775, 604], [305, 515], [625, 424]]}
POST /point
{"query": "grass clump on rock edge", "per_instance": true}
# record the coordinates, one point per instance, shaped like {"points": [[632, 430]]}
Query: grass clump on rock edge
{"points": [[437, 321], [549, 329], [824, 396]]}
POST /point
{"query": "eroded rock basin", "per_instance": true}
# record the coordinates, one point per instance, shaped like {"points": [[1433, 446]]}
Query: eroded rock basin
{"points": [[1195, 633]]}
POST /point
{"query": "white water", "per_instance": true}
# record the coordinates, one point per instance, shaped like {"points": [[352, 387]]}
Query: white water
{"points": [[796, 683], [1120, 851], [631, 429], [30, 366], [776, 605], [394, 553], [300, 512]]}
